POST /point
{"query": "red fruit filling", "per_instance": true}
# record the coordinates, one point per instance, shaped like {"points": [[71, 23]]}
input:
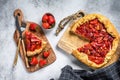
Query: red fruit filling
{"points": [[100, 40], [32, 42]]}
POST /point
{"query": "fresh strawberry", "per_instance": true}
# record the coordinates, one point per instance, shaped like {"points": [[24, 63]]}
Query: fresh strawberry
{"points": [[51, 20], [46, 25], [42, 62], [46, 54], [45, 18], [33, 27], [34, 61]]}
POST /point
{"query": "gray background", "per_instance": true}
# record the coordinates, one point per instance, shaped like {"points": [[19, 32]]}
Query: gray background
{"points": [[33, 11]]}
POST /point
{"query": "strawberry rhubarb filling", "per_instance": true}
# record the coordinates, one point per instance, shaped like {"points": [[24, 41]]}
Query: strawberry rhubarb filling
{"points": [[100, 40], [32, 42]]}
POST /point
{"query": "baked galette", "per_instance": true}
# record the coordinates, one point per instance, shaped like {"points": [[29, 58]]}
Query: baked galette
{"points": [[102, 36]]}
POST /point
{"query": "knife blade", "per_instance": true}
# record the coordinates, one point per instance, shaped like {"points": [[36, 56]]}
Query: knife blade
{"points": [[18, 27]]}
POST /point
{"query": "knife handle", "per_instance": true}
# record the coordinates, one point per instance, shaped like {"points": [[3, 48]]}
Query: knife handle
{"points": [[24, 53], [17, 52], [19, 14]]}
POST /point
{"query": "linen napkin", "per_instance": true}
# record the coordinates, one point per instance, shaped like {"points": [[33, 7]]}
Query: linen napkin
{"points": [[111, 72]]}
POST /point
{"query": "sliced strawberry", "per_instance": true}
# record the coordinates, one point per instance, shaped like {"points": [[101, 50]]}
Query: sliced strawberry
{"points": [[99, 60], [33, 46], [95, 21], [34, 39], [34, 61], [99, 40], [100, 26], [42, 62], [110, 38], [92, 58]]}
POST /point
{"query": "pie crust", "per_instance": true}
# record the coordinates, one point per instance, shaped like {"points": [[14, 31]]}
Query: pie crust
{"points": [[109, 28]]}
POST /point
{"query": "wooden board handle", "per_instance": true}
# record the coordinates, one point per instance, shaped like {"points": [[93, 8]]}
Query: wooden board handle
{"points": [[19, 14]]}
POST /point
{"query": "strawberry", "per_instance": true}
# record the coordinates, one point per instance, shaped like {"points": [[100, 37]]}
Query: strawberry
{"points": [[42, 62], [33, 27], [45, 18], [34, 61], [46, 54], [46, 25], [51, 20]]}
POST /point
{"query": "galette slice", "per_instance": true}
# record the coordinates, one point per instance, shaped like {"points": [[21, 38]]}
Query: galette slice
{"points": [[34, 44]]}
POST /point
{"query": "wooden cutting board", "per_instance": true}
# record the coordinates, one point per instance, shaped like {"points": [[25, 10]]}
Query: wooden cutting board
{"points": [[50, 59], [69, 42], [40, 34]]}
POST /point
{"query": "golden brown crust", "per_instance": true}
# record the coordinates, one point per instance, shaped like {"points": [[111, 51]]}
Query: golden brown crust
{"points": [[37, 51], [84, 59], [110, 29]]}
